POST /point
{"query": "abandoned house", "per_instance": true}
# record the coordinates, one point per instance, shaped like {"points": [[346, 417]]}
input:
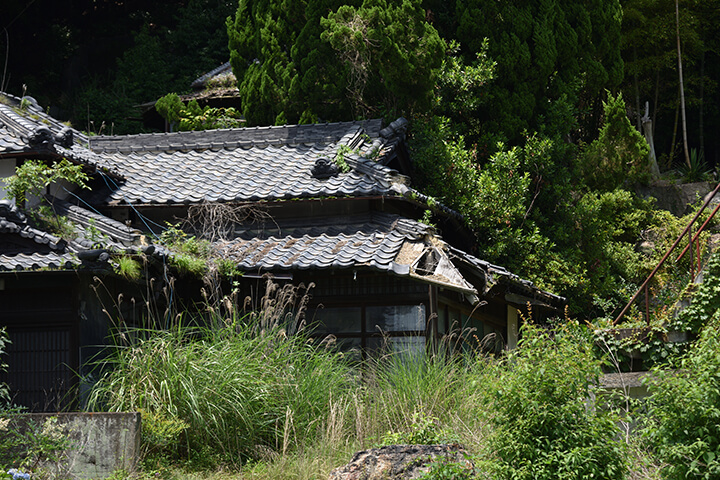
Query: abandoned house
{"points": [[324, 204]]}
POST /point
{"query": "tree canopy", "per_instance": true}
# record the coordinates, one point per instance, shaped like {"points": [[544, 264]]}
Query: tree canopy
{"points": [[302, 61]]}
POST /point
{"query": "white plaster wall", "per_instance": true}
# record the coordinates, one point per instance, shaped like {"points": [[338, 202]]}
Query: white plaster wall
{"points": [[7, 169], [61, 189], [512, 326]]}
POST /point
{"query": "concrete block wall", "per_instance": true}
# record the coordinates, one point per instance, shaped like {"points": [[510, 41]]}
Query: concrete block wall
{"points": [[99, 443]]}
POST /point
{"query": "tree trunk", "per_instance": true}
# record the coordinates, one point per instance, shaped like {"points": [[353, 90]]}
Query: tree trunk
{"points": [[701, 127], [655, 101], [637, 91], [682, 90], [671, 161]]}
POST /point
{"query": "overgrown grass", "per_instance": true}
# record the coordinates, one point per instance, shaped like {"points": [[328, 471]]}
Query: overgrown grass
{"points": [[403, 391], [251, 398], [241, 392]]}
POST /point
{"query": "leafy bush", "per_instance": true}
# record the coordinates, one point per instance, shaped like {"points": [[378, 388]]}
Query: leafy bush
{"points": [[33, 176], [705, 304], [450, 470], [698, 170], [620, 154], [191, 254], [194, 117], [424, 430], [40, 448], [161, 436], [546, 425], [683, 413]]}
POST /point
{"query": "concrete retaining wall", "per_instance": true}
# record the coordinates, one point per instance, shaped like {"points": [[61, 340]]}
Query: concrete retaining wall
{"points": [[98, 443]]}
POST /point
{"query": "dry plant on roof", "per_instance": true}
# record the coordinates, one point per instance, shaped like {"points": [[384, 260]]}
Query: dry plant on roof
{"points": [[214, 221]]}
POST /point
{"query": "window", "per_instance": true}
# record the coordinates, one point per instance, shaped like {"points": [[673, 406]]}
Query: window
{"points": [[337, 320], [396, 318], [372, 327]]}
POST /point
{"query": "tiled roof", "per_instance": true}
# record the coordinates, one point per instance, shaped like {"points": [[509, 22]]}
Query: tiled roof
{"points": [[30, 130], [220, 74], [229, 138], [239, 165], [13, 221], [375, 241], [497, 275], [17, 253], [249, 164], [113, 231], [37, 261], [95, 236]]}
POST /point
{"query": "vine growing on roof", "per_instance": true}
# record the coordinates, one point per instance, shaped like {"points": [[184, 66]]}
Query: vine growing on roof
{"points": [[34, 176]]}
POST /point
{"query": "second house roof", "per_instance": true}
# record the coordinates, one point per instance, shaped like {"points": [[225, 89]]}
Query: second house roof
{"points": [[252, 164]]}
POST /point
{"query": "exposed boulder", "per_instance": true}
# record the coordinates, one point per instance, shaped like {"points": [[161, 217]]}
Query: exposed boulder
{"points": [[397, 462], [677, 198]]}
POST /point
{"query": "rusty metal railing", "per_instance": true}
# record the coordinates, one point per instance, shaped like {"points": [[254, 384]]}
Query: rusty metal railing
{"points": [[693, 244]]}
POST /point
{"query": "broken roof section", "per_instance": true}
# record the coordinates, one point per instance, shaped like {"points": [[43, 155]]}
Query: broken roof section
{"points": [[375, 241]]}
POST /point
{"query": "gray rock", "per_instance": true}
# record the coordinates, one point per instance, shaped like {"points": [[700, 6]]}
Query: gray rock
{"points": [[677, 198], [397, 462]]}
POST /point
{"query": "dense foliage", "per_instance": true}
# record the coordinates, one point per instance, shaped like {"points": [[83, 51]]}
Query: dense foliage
{"points": [[618, 158], [285, 72], [284, 57], [546, 52], [192, 116], [223, 392], [545, 426], [683, 418], [242, 385], [544, 209]]}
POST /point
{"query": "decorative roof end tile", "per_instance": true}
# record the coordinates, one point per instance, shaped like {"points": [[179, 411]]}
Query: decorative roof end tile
{"points": [[65, 137], [41, 137], [324, 168]]}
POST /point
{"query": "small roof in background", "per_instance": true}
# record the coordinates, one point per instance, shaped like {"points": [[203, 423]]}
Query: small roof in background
{"points": [[220, 75], [217, 83]]}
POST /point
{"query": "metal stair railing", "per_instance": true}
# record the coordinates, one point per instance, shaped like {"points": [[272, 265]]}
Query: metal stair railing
{"points": [[693, 244]]}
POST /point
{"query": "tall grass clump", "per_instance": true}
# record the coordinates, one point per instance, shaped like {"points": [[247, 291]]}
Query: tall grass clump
{"points": [[426, 396], [224, 391]]}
